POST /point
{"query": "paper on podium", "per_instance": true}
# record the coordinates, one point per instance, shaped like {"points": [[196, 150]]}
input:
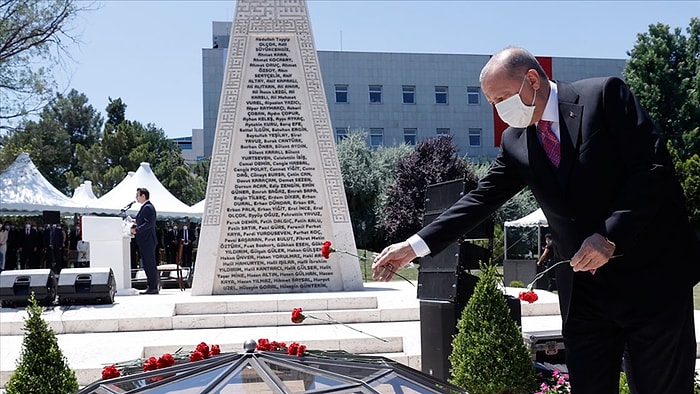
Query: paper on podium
{"points": [[127, 224]]}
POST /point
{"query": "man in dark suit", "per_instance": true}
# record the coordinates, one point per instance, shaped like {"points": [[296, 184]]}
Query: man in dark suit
{"points": [[171, 244], [146, 239], [605, 181], [30, 247], [186, 236]]}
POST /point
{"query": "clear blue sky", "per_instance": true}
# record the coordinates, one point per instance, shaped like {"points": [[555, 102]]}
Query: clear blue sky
{"points": [[149, 52]]}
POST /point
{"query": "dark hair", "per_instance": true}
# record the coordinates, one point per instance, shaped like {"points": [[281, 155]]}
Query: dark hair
{"points": [[548, 235], [143, 191]]}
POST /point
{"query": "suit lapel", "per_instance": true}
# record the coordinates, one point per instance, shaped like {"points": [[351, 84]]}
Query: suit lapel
{"points": [[570, 115]]}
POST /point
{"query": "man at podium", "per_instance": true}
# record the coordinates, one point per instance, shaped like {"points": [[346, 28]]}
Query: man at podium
{"points": [[145, 234]]}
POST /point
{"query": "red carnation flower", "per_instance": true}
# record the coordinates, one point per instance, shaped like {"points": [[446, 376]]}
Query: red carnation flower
{"points": [[196, 356], [326, 250], [292, 349], [110, 372], [150, 365], [300, 350], [263, 344], [215, 349], [529, 296], [204, 349], [297, 316], [165, 361]]}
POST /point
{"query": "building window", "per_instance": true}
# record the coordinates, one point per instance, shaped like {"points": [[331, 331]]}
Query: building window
{"points": [[409, 94], [341, 93], [376, 137], [473, 94], [441, 95], [409, 136], [340, 134], [375, 94], [475, 137], [442, 131]]}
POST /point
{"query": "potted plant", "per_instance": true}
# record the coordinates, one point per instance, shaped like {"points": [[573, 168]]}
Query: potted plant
{"points": [[488, 352]]}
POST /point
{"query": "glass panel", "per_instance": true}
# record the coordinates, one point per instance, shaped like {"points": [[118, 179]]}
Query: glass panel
{"points": [[474, 137], [409, 136], [442, 131], [190, 384], [473, 95], [351, 371], [394, 384], [376, 137], [298, 381], [409, 94], [341, 93], [246, 380], [375, 93], [441, 95]]}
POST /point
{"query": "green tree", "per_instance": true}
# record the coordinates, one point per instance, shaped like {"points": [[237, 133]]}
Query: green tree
{"points": [[41, 367], [689, 174], [65, 123], [124, 145], [488, 353], [33, 38], [664, 73], [366, 173], [432, 161]]}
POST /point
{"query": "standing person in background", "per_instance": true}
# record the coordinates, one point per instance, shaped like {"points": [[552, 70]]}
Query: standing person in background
{"points": [[11, 259], [145, 234], [547, 259], [600, 171], [4, 235], [186, 236], [29, 247], [170, 240]]}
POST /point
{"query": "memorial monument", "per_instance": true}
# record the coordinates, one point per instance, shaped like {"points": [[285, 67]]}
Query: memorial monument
{"points": [[275, 190]]}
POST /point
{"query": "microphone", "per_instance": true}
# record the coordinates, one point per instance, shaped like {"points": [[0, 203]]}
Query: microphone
{"points": [[128, 206]]}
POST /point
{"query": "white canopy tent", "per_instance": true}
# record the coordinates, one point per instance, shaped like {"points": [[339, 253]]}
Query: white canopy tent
{"points": [[24, 190], [533, 219], [198, 208], [83, 194], [124, 193]]}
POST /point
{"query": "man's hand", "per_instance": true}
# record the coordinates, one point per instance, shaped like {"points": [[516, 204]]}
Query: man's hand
{"points": [[595, 251], [391, 259]]}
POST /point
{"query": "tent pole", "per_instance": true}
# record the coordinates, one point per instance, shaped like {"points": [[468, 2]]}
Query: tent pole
{"points": [[505, 243]]}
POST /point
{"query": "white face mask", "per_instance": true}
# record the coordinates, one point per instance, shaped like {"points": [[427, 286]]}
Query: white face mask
{"points": [[514, 112]]}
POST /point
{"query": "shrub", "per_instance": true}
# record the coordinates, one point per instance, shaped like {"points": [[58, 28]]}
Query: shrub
{"points": [[489, 355], [41, 368], [517, 283]]}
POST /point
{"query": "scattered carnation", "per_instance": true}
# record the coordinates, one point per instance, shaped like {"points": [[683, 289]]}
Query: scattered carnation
{"points": [[529, 296], [297, 316], [196, 356], [204, 349], [215, 349], [151, 364], [326, 250], [165, 361], [110, 372]]}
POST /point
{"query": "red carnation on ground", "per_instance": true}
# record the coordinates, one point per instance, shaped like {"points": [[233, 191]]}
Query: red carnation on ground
{"points": [[215, 349], [204, 349], [165, 361], [326, 250], [110, 372], [529, 296], [296, 349], [297, 316], [151, 364], [196, 356]]}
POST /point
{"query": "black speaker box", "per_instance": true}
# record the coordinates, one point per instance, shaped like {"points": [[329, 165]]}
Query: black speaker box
{"points": [[95, 285], [51, 217], [440, 196], [438, 325], [16, 286]]}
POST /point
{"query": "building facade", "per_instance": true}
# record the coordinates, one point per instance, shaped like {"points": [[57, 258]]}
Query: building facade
{"points": [[401, 97]]}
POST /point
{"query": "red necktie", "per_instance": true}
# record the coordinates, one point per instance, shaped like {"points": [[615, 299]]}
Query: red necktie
{"points": [[549, 142]]}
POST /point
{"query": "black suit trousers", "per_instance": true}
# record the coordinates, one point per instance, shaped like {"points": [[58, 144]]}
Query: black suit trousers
{"points": [[654, 330]]}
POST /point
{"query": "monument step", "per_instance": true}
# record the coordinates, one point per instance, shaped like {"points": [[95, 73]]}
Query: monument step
{"points": [[276, 319], [261, 303]]}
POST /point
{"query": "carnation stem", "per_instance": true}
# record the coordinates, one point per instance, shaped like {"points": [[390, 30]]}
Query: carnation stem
{"points": [[541, 274], [332, 320], [363, 258]]}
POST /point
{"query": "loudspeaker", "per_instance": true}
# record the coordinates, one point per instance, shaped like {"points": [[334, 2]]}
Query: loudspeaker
{"points": [[440, 196], [16, 286], [51, 217], [82, 286], [438, 325]]}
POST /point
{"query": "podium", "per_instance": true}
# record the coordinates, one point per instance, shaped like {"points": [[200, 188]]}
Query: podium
{"points": [[109, 248]]}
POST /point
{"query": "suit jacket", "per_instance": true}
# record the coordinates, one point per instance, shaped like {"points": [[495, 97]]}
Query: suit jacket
{"points": [[146, 225], [190, 237], [615, 178]]}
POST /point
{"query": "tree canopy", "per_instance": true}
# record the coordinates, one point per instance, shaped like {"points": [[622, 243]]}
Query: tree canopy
{"points": [[33, 37]]}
